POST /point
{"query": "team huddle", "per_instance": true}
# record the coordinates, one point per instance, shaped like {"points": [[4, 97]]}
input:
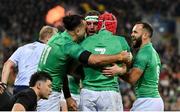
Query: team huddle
{"points": [[79, 69]]}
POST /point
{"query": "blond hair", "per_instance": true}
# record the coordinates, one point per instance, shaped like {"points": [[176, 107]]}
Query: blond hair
{"points": [[47, 31]]}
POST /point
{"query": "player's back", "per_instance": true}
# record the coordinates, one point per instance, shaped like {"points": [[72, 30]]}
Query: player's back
{"points": [[55, 56], [23, 59], [49, 62], [102, 43]]}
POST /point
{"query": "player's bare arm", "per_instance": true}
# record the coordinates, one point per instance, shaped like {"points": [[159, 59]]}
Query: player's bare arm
{"points": [[131, 77], [18, 107], [115, 70], [5, 73], [108, 59]]}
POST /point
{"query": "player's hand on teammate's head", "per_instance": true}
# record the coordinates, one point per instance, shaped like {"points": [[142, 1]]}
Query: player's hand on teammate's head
{"points": [[114, 70], [71, 104], [2, 87]]}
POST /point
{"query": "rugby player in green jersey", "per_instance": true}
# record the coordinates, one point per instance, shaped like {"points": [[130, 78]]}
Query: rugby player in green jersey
{"points": [[91, 19], [75, 78], [145, 72], [101, 93], [64, 47]]}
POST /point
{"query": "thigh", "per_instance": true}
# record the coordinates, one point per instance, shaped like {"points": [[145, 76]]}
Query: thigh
{"points": [[51, 104], [87, 100], [148, 104], [110, 101]]}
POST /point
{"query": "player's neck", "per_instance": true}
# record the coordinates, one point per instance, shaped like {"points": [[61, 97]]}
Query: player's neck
{"points": [[42, 41], [73, 35], [145, 41], [37, 93]]}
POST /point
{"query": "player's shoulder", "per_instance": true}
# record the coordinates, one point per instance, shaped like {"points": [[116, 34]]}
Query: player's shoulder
{"points": [[28, 44], [25, 46], [89, 39], [70, 45], [54, 38], [32, 45], [143, 54], [27, 93], [120, 37], [146, 49], [105, 33], [60, 40]]}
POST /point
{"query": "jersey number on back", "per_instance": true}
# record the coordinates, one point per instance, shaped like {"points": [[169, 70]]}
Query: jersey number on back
{"points": [[100, 50]]}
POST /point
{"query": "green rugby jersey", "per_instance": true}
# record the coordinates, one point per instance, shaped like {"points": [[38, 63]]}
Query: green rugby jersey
{"points": [[54, 37], [74, 85], [56, 55], [148, 61], [102, 43]]}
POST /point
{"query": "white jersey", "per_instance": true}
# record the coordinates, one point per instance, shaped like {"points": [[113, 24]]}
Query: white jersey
{"points": [[27, 58]]}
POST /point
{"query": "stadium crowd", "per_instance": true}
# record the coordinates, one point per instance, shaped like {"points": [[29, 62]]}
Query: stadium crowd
{"points": [[20, 22]]}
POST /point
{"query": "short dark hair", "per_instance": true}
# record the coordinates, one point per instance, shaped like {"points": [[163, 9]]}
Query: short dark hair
{"points": [[147, 27], [72, 21], [39, 76]]}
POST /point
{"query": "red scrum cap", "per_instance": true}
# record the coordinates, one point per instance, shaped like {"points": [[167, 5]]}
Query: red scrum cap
{"points": [[107, 21]]}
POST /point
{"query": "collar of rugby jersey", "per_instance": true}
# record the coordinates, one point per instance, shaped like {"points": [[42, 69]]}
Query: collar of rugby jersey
{"points": [[101, 35], [146, 45], [105, 32], [40, 41]]}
